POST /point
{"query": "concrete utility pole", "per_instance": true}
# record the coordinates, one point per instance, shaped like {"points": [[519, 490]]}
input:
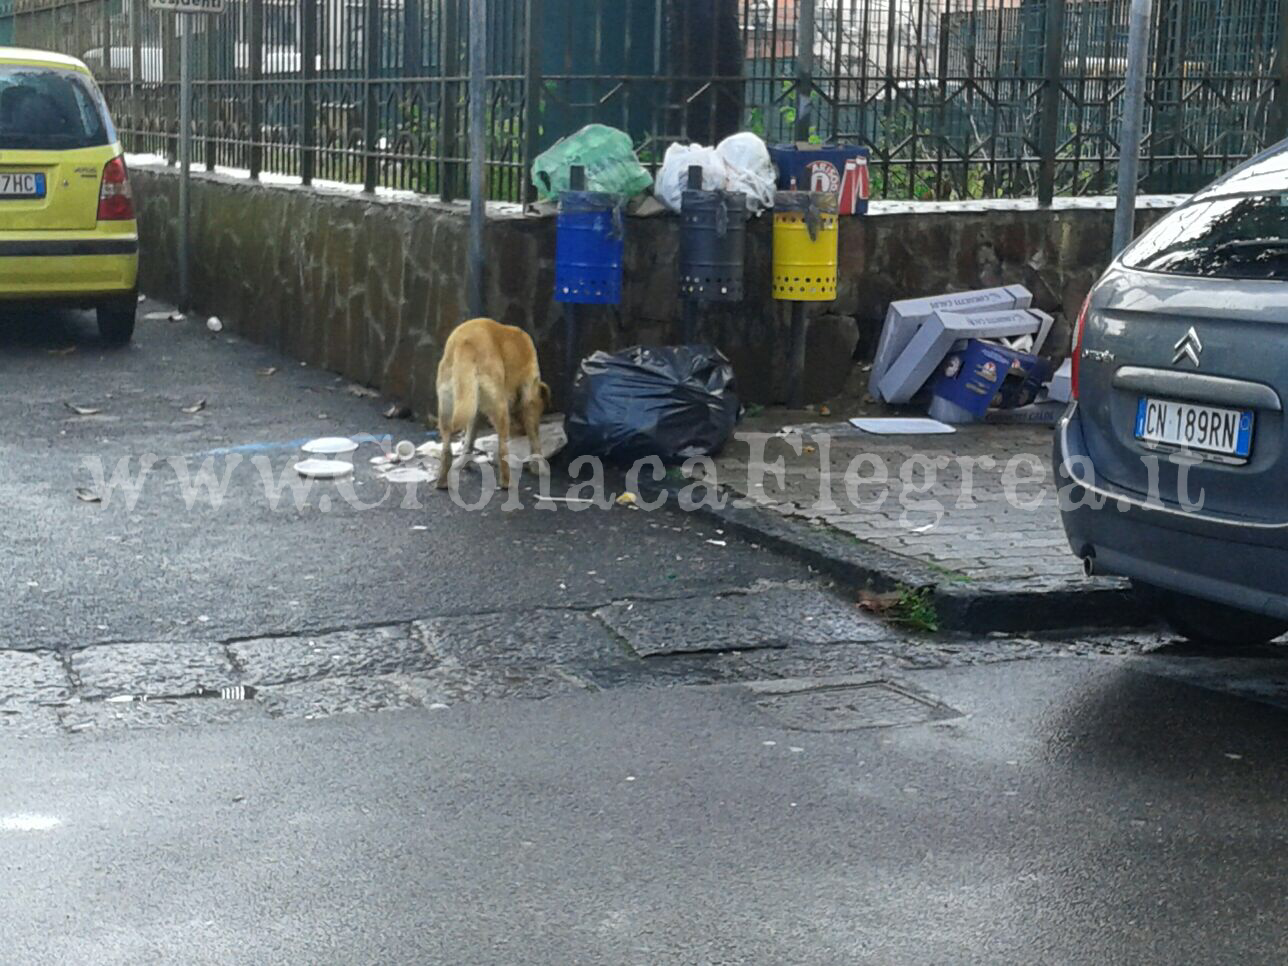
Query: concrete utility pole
{"points": [[185, 158], [804, 69], [478, 211], [1133, 123]]}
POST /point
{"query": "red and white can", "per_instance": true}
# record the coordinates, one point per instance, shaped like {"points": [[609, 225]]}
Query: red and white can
{"points": [[855, 186]]}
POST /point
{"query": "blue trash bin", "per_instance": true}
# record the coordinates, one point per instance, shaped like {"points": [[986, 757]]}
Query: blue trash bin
{"points": [[588, 248]]}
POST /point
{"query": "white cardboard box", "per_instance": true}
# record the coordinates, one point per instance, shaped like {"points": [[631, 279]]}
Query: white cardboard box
{"points": [[905, 317], [935, 339], [1060, 388]]}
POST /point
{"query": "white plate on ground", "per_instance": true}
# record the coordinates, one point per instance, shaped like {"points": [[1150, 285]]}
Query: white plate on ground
{"points": [[323, 469], [900, 426], [407, 474], [330, 445]]}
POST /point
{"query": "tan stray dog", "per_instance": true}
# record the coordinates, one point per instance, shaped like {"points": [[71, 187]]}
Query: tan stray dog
{"points": [[489, 369]]}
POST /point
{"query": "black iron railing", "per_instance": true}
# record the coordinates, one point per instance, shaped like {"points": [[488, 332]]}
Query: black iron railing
{"points": [[954, 98]]}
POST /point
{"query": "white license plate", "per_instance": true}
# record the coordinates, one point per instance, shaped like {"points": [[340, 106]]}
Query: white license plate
{"points": [[1205, 429], [22, 185]]}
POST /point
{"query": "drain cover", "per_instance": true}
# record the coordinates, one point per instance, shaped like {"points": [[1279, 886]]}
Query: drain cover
{"points": [[848, 704]]}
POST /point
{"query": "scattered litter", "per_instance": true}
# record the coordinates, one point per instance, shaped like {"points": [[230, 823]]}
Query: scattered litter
{"points": [[626, 499], [63, 352], [795, 749], [236, 692], [196, 407], [630, 778], [420, 526], [405, 449], [398, 411], [142, 297], [809, 450], [407, 474], [214, 325], [564, 499], [330, 445], [1233, 757], [203, 619], [382, 460], [362, 392], [266, 371], [769, 744], [906, 316], [120, 699], [323, 469], [86, 495], [176, 316], [155, 316], [900, 426], [718, 543], [825, 410], [83, 410], [936, 337], [437, 706]]}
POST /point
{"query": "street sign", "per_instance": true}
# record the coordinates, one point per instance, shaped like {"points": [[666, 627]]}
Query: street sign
{"points": [[188, 6]]}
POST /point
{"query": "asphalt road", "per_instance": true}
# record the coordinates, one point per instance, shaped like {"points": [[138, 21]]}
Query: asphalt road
{"points": [[554, 737], [84, 573], [1078, 811]]}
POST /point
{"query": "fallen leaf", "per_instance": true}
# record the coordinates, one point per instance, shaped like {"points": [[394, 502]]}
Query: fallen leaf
{"points": [[825, 410], [82, 410], [878, 603], [196, 407], [86, 495], [626, 499], [267, 371], [398, 411]]}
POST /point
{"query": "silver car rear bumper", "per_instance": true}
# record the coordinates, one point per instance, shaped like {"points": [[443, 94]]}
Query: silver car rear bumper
{"points": [[1242, 563]]}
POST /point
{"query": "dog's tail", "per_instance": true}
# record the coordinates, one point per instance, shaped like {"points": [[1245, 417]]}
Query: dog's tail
{"points": [[465, 396]]}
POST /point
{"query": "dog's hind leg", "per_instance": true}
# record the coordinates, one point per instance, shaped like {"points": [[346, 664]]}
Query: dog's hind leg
{"points": [[500, 418], [446, 426]]}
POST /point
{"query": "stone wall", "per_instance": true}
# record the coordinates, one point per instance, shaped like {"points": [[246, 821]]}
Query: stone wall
{"points": [[371, 286]]}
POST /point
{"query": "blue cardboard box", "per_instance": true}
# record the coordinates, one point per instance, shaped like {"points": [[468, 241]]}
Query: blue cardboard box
{"points": [[971, 376], [826, 167]]}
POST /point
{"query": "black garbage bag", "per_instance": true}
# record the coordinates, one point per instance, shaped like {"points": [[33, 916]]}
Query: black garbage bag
{"points": [[672, 402]]}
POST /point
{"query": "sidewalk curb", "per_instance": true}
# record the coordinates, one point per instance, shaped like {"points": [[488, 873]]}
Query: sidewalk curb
{"points": [[965, 606]]}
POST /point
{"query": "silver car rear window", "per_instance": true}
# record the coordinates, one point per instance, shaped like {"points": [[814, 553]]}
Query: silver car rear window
{"points": [[45, 109], [1230, 237]]}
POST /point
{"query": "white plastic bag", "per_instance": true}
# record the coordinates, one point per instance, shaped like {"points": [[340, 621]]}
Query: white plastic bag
{"points": [[673, 176], [750, 169]]}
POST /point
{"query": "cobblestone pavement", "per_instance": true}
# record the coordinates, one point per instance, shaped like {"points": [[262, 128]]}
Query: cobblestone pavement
{"points": [[980, 503], [765, 631]]}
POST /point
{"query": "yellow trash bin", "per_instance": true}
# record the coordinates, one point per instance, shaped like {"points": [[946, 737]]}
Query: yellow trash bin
{"points": [[805, 246]]}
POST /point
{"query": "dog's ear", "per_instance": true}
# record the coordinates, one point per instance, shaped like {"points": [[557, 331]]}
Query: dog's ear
{"points": [[544, 390]]}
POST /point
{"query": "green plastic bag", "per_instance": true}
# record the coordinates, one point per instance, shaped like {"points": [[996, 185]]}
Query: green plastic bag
{"points": [[607, 155]]}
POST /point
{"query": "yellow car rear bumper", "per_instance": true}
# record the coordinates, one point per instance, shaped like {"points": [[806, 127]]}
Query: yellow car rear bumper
{"points": [[64, 267]]}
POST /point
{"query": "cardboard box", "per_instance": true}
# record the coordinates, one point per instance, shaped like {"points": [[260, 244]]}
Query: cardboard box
{"points": [[841, 169], [905, 317], [936, 338], [1060, 388]]}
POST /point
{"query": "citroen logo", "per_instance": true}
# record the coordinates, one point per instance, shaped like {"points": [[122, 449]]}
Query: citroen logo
{"points": [[1190, 347]]}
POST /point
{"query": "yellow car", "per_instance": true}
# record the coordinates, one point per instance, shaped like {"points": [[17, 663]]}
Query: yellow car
{"points": [[67, 228]]}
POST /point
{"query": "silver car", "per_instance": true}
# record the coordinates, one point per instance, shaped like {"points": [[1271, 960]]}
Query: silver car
{"points": [[1173, 458]]}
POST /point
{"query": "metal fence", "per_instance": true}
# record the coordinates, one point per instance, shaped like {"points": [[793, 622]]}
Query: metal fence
{"points": [[954, 98]]}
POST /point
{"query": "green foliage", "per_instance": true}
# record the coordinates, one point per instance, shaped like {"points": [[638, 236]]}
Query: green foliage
{"points": [[916, 609]]}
